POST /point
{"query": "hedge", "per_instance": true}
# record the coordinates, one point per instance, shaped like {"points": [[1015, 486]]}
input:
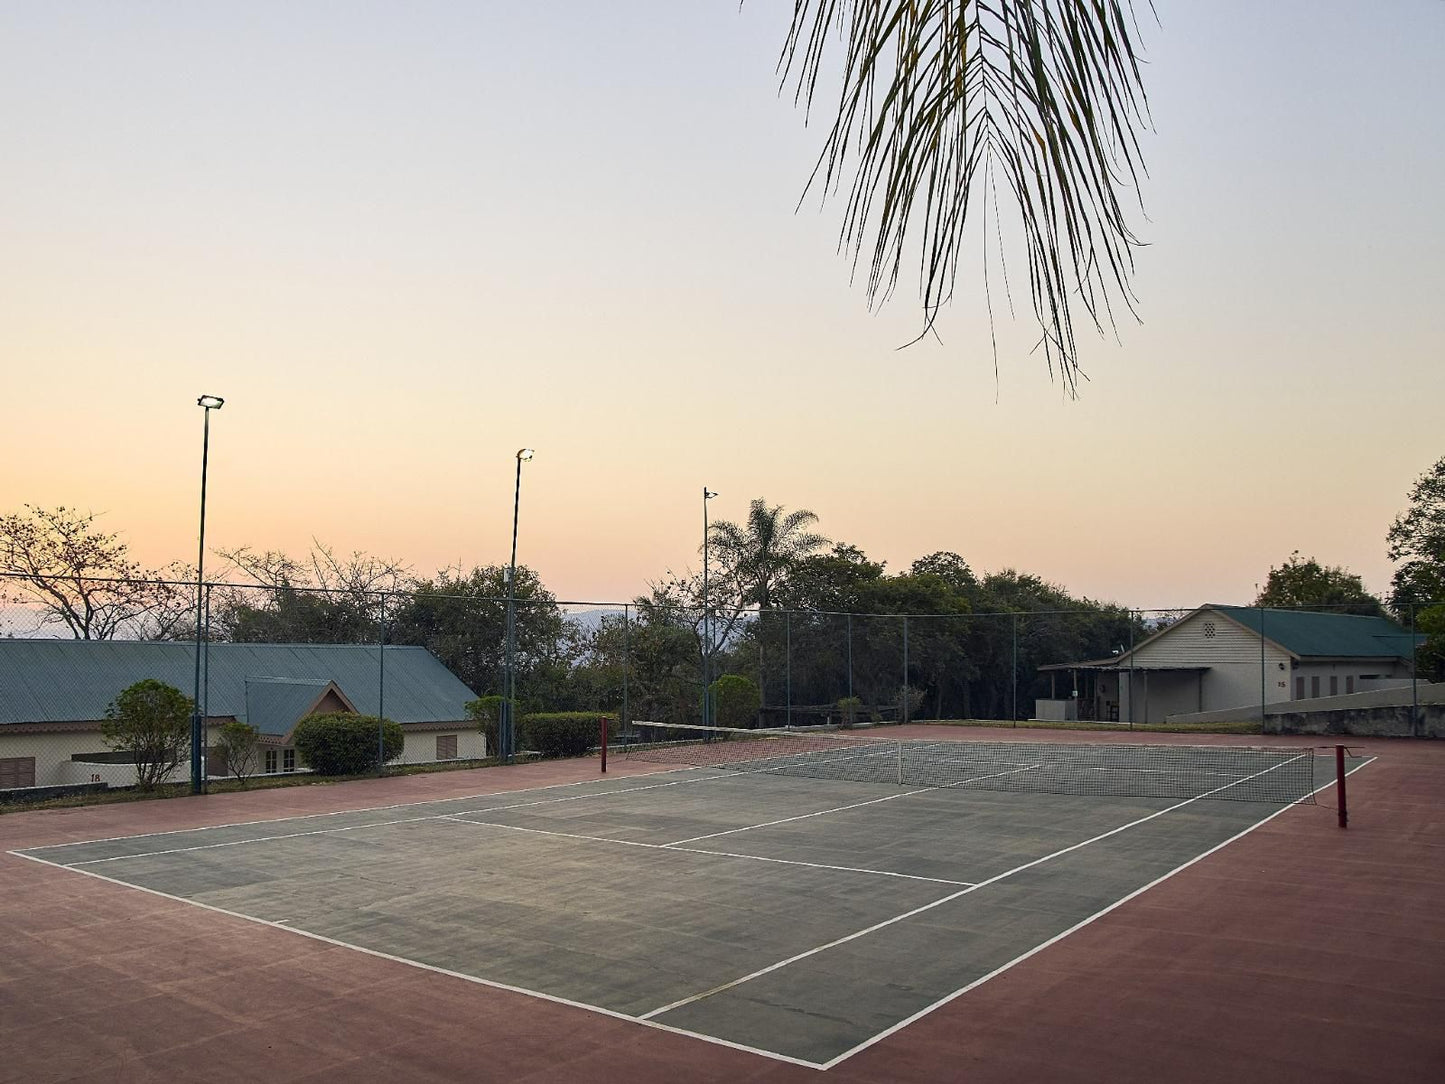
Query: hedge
{"points": [[563, 733], [341, 743]]}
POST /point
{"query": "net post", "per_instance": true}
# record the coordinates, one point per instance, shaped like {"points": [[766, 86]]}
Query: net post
{"points": [[1340, 786], [900, 763], [603, 722]]}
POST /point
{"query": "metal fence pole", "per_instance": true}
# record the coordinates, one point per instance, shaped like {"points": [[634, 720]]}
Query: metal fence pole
{"points": [[1263, 693], [1014, 696], [904, 713], [626, 663], [788, 665], [850, 656], [1132, 619], [381, 689], [1414, 679]]}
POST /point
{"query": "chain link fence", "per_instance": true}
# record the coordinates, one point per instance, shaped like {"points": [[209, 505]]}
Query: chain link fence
{"points": [[436, 663]]}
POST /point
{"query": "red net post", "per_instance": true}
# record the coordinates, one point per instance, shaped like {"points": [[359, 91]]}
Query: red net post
{"points": [[603, 724], [1340, 786]]}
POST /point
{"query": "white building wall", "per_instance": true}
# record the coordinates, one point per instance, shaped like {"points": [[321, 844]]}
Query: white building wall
{"points": [[53, 752], [1232, 679], [421, 746]]}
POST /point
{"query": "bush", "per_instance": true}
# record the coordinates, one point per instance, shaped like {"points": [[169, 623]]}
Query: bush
{"points": [[737, 700], [849, 709], [340, 743], [151, 721], [487, 711], [237, 751], [563, 733]]}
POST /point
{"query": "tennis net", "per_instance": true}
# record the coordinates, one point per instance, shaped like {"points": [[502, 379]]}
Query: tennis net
{"points": [[1120, 770]]}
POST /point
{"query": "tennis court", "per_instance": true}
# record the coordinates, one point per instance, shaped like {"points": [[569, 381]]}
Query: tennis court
{"points": [[797, 909]]}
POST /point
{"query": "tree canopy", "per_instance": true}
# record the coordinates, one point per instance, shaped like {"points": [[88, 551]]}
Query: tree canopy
{"points": [[1416, 542], [1305, 584]]}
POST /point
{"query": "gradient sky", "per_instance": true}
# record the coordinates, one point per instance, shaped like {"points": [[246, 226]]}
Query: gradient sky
{"points": [[405, 240]]}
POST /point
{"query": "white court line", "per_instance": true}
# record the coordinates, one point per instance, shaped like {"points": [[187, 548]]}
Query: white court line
{"points": [[344, 812], [462, 818], [760, 972], [855, 805], [976, 983], [372, 824], [491, 984]]}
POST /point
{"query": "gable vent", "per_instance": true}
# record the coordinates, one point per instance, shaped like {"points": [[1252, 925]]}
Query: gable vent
{"points": [[1209, 630]]}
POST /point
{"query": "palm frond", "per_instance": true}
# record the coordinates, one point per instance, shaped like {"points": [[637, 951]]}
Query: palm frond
{"points": [[1046, 94]]}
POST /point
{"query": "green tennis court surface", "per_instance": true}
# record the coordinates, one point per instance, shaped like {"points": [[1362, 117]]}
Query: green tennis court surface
{"points": [[802, 918]]}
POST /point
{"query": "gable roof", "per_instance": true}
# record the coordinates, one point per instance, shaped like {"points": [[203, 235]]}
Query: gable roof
{"points": [[1306, 633], [75, 680], [275, 705]]}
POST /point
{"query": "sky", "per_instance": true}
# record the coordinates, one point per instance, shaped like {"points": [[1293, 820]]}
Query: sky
{"points": [[404, 241]]}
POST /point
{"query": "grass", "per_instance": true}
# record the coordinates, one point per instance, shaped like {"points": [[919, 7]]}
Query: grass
{"points": [[1113, 728]]}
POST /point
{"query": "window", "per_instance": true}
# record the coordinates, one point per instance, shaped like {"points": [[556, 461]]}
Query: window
{"points": [[1299, 688], [270, 761], [446, 747], [1334, 685], [288, 760], [1315, 686], [1349, 683], [17, 772]]}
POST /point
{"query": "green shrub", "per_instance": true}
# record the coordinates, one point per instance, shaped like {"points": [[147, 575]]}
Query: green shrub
{"points": [[237, 751], [340, 743], [563, 733], [736, 700], [151, 722], [487, 711], [849, 709]]}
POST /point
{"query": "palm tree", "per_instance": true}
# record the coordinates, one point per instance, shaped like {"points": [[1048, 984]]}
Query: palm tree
{"points": [[759, 555], [943, 99]]}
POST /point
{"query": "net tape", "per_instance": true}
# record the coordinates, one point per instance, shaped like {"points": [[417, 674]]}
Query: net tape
{"points": [[1236, 773]]}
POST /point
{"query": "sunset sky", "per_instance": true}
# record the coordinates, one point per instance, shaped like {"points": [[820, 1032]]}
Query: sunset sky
{"points": [[403, 241]]}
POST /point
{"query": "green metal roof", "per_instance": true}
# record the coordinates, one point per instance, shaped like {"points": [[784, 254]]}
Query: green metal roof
{"points": [[75, 680], [1305, 632]]}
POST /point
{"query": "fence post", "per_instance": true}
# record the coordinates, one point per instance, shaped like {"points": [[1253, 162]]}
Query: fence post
{"points": [[1014, 696], [1340, 786], [788, 662], [905, 669], [381, 688], [850, 656], [603, 722], [626, 663]]}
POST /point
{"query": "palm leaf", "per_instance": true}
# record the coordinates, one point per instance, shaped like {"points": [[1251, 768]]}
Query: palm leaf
{"points": [[1046, 94]]}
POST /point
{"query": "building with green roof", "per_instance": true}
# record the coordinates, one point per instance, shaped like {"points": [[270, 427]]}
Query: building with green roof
{"points": [[1226, 657], [54, 693]]}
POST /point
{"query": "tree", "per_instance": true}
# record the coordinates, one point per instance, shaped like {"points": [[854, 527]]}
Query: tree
{"points": [[757, 556], [940, 100], [84, 578], [324, 600], [461, 618], [738, 700], [1309, 585], [150, 721], [237, 748], [1417, 544]]}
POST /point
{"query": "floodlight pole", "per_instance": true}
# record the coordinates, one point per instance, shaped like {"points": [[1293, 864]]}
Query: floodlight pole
{"points": [[707, 495], [506, 730], [198, 764]]}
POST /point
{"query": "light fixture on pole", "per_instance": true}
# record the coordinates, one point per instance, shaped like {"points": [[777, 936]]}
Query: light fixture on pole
{"points": [[506, 724], [198, 738], [707, 495]]}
